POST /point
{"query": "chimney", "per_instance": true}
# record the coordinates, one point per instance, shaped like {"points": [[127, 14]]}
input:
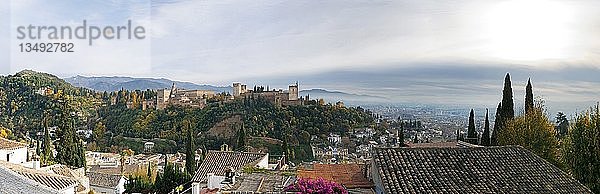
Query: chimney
{"points": [[229, 176], [36, 164]]}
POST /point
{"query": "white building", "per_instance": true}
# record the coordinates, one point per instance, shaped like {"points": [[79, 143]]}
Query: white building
{"points": [[148, 146], [13, 151], [334, 138], [107, 183], [55, 183]]}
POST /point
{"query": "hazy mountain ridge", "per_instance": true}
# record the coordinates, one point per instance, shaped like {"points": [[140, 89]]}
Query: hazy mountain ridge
{"points": [[130, 83], [348, 98]]}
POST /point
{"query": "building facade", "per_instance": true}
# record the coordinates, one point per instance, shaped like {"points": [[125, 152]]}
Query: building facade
{"points": [[279, 97], [175, 96], [12, 151]]}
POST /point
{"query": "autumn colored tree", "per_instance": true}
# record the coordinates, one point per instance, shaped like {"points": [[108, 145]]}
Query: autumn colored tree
{"points": [[581, 149], [533, 131]]}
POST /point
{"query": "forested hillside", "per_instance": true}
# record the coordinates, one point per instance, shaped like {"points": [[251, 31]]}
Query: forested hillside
{"points": [[294, 124], [28, 97]]}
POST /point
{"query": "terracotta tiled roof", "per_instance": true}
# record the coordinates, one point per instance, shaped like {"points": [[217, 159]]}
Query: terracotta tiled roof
{"points": [[116, 170], [62, 170], [103, 180], [433, 145], [507, 169], [260, 182], [349, 175], [10, 144], [217, 161]]}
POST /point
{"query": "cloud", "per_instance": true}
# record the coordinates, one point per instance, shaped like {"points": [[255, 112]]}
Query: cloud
{"points": [[104, 57], [4, 42], [345, 45], [228, 40], [219, 41]]}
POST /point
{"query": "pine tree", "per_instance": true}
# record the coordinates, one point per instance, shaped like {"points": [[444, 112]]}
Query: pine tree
{"points": [[471, 133], [494, 136], [190, 155], [528, 97], [485, 137]]}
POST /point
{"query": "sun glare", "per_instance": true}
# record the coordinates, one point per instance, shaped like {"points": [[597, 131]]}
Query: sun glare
{"points": [[529, 30]]}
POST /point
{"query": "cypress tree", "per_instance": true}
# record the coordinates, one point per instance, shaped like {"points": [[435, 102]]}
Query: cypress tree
{"points": [[149, 171], [286, 151], [471, 134], [415, 139], [190, 155], [37, 148], [47, 157], [494, 136], [401, 136], [528, 97], [69, 149], [508, 109], [241, 141], [485, 137]]}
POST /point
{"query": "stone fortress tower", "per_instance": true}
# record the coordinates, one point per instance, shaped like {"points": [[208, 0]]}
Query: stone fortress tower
{"points": [[293, 92]]}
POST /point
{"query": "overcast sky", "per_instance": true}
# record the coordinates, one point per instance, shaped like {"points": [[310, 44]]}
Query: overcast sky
{"points": [[217, 42]]}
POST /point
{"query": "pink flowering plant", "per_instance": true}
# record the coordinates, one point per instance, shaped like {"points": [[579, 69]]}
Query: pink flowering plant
{"points": [[316, 186]]}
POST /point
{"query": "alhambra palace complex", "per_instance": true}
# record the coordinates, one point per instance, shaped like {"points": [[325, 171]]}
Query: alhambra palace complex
{"points": [[197, 98]]}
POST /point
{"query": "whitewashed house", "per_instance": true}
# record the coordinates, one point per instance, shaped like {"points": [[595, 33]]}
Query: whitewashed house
{"points": [[107, 183], [13, 151], [54, 182]]}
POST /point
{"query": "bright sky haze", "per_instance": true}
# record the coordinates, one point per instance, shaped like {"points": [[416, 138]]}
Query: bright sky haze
{"points": [[217, 42]]}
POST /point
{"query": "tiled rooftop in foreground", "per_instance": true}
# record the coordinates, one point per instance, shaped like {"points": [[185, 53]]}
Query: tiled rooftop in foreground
{"points": [[217, 161], [349, 175], [502, 169]]}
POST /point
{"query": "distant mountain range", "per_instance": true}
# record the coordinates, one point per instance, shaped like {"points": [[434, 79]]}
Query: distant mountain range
{"points": [[129, 83]]}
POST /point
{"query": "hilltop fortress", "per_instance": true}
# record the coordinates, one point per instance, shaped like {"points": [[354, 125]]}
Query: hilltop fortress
{"points": [[175, 96], [277, 97], [197, 98]]}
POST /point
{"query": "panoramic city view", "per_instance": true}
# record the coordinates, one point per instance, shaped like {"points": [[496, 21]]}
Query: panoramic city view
{"points": [[318, 97]]}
